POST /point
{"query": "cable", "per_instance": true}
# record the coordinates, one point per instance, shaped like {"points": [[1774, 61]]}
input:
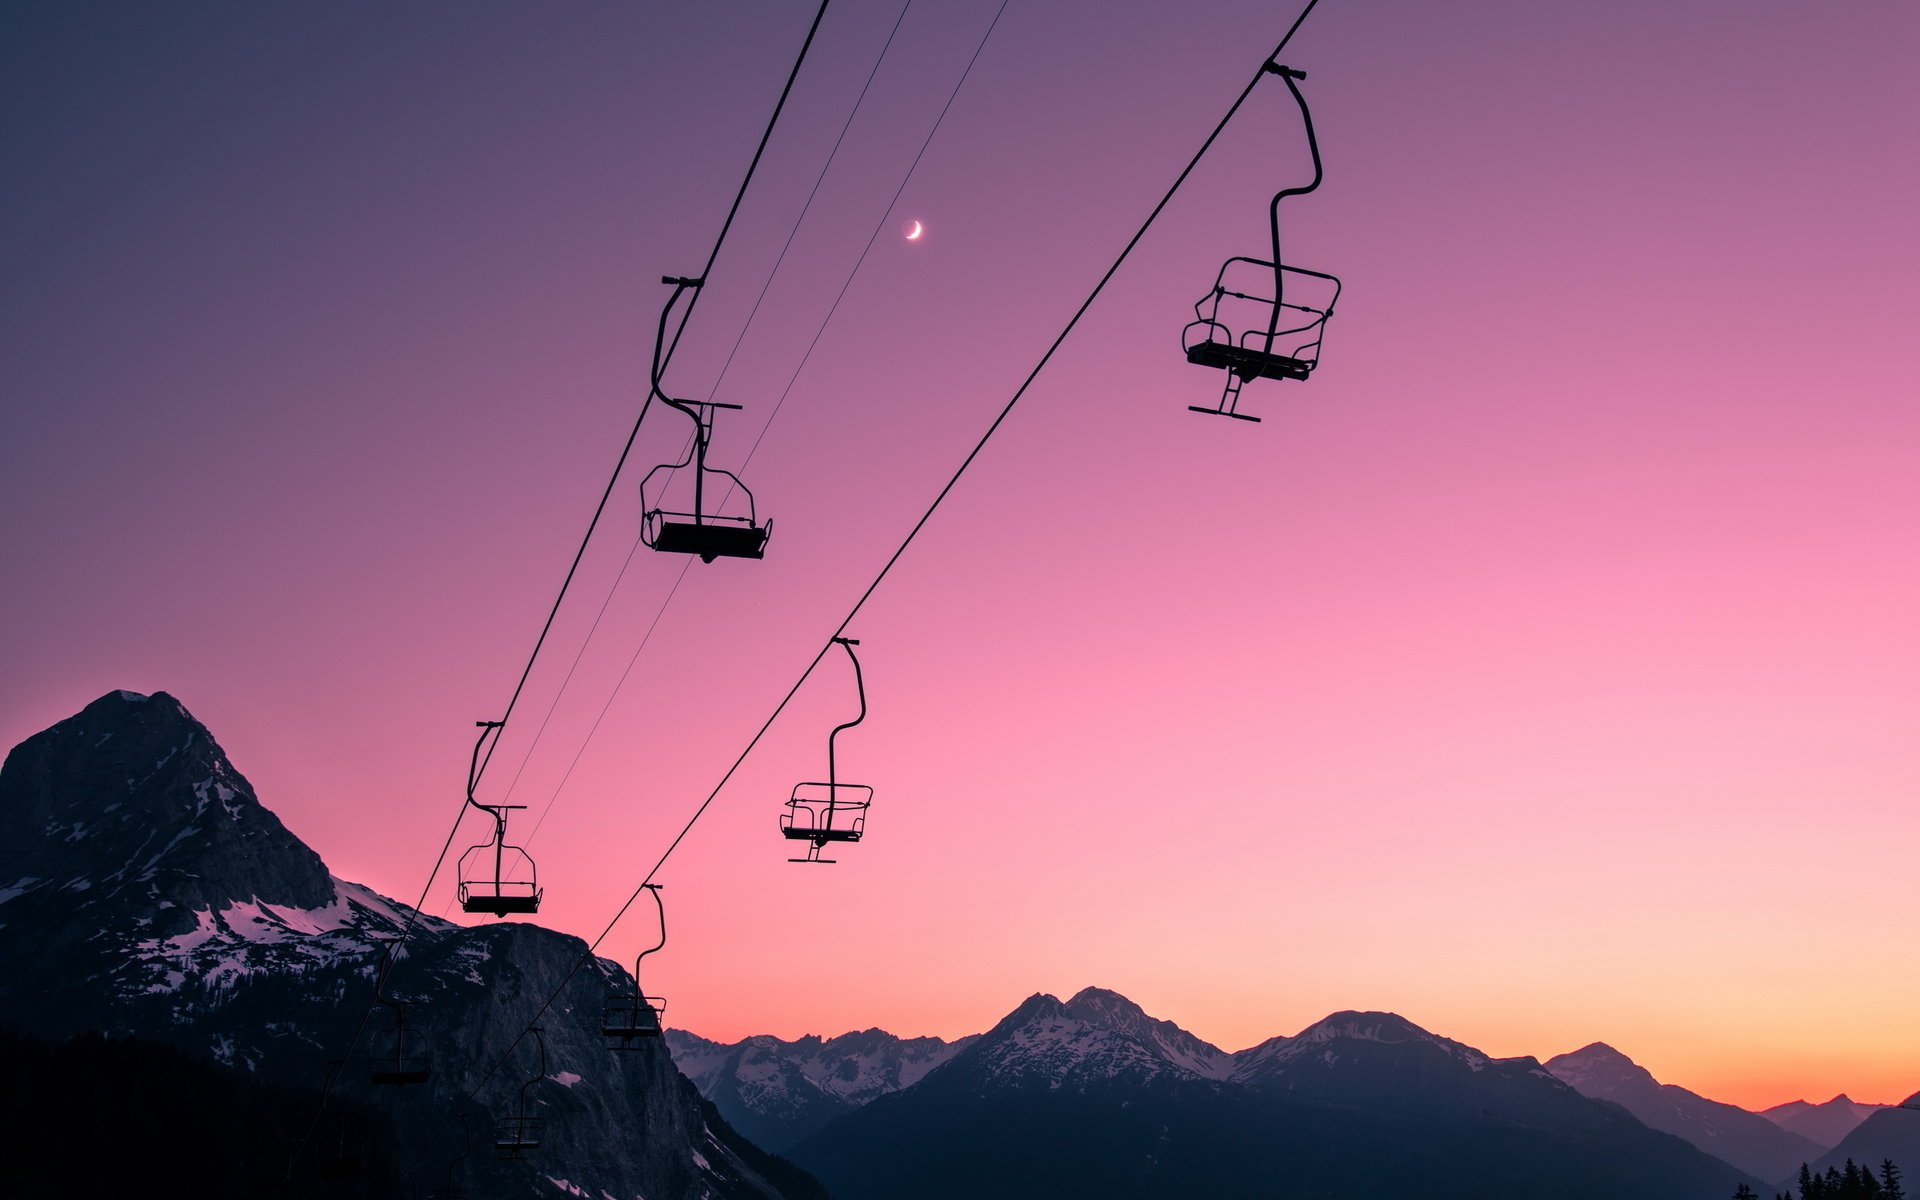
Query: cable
{"points": [[394, 948], [1072, 322], [791, 380], [754, 311], [808, 206]]}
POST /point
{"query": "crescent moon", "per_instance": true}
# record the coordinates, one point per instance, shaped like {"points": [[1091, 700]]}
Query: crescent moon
{"points": [[913, 235]]}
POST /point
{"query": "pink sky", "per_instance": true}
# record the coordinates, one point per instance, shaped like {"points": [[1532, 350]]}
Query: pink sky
{"points": [[1545, 669]]}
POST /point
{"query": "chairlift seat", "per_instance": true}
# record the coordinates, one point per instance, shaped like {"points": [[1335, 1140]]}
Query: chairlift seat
{"points": [[500, 899], [516, 1134], [802, 833], [826, 812], [630, 1017], [709, 539], [410, 1069], [339, 1166], [1247, 362]]}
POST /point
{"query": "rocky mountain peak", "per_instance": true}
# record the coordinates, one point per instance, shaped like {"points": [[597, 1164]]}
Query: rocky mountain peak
{"points": [[1363, 1026], [135, 784], [1600, 1070]]}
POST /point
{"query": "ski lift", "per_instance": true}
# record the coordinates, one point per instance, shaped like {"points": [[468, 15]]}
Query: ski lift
{"points": [[819, 813], [338, 1156], [399, 1054], [628, 1019], [485, 886], [453, 1191], [1244, 331], [516, 1134], [706, 530]]}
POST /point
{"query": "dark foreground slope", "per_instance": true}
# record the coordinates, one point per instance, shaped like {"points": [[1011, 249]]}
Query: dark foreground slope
{"points": [[146, 892], [100, 1116], [1075, 1099]]}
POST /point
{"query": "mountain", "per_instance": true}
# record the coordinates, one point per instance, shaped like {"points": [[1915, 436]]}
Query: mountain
{"points": [[1822, 1124], [145, 892], [1889, 1133], [778, 1092], [1747, 1140], [1091, 1096]]}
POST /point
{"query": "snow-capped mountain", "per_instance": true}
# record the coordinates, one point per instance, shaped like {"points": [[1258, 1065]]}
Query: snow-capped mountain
{"points": [[1091, 1096], [777, 1092], [1384, 1061], [1745, 1139], [1095, 1040], [145, 891], [1822, 1124]]}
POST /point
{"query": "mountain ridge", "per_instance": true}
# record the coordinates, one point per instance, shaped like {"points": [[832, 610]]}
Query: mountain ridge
{"points": [[1746, 1139]]}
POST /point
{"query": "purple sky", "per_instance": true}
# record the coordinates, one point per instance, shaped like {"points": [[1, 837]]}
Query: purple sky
{"points": [[1544, 669]]}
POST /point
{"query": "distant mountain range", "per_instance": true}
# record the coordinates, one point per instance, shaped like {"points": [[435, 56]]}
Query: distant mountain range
{"points": [[1093, 1097], [1890, 1132], [1823, 1124], [1747, 1140], [145, 892], [866, 1111], [779, 1092]]}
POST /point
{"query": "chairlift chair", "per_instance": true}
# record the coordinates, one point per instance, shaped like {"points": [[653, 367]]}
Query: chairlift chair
{"points": [[452, 1190], [820, 813], [705, 531], [1238, 328], [399, 1054], [519, 1131], [338, 1157], [630, 1019], [485, 871]]}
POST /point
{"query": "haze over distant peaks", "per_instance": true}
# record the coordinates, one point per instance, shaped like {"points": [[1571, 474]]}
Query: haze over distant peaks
{"points": [[1823, 1124], [1742, 1138]]}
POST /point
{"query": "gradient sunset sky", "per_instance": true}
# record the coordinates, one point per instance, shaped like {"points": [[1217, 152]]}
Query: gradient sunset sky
{"points": [[1546, 669]]}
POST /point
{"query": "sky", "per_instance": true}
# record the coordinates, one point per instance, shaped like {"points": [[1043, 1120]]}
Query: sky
{"points": [[1544, 669]]}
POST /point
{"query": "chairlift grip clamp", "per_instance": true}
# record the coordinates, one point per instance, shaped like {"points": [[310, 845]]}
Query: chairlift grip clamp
{"points": [[684, 281], [1275, 68], [847, 641]]}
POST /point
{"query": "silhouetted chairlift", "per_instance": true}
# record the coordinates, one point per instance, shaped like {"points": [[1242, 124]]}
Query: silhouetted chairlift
{"points": [[819, 813], [1252, 335], [453, 1191], [629, 1019], [519, 1132], [398, 1054], [485, 870], [705, 530], [338, 1156]]}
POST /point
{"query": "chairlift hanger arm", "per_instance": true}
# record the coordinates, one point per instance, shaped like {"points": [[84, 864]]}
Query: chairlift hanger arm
{"points": [[860, 684], [488, 729], [661, 906], [1291, 78]]}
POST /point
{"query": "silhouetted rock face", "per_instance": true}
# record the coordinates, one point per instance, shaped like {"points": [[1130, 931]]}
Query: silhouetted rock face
{"points": [[1745, 1139], [135, 783], [145, 891]]}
